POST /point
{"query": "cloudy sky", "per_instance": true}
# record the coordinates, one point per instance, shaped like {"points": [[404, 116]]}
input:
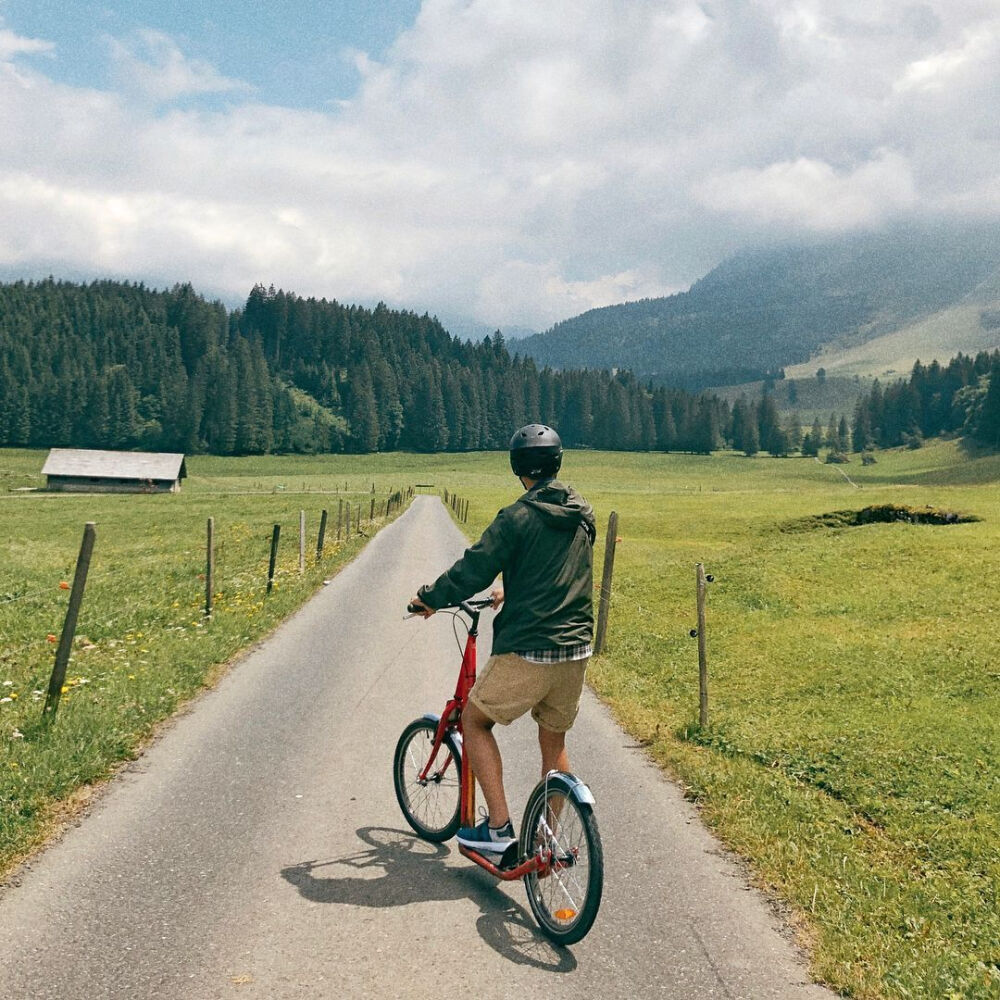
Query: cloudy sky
{"points": [[511, 162]]}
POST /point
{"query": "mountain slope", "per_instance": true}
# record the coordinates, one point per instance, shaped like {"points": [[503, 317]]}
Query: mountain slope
{"points": [[766, 309], [966, 329]]}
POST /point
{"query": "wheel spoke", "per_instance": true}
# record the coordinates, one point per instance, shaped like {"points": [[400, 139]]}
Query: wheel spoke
{"points": [[431, 806], [565, 895]]}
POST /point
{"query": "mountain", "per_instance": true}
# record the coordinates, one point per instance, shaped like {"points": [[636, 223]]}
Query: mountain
{"points": [[767, 309]]}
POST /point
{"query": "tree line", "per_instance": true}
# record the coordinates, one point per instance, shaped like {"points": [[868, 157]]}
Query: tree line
{"points": [[962, 397], [118, 365]]}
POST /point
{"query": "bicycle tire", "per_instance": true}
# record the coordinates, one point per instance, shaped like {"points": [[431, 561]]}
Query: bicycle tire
{"points": [[565, 900], [433, 809]]}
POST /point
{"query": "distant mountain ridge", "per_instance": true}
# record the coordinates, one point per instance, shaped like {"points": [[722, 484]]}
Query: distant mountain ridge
{"points": [[763, 310]]}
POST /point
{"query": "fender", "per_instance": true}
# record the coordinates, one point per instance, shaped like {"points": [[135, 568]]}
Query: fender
{"points": [[573, 787], [455, 734]]}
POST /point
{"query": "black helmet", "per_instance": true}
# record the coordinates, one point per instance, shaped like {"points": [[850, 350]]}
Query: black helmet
{"points": [[535, 452]]}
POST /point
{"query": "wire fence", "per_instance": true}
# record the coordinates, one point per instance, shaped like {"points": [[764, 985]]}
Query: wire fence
{"points": [[144, 586]]}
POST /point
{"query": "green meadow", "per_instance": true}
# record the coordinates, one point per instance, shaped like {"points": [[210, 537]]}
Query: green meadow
{"points": [[143, 645], [854, 693]]}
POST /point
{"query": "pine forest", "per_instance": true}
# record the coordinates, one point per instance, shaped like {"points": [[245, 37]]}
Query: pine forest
{"points": [[118, 365]]}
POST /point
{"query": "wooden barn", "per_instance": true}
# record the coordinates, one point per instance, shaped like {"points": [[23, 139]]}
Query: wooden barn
{"points": [[78, 470]]}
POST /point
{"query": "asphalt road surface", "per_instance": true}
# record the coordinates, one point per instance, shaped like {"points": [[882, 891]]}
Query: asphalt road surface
{"points": [[256, 850]]}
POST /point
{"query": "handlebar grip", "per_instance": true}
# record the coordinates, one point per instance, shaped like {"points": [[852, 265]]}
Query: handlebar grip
{"points": [[415, 609]]}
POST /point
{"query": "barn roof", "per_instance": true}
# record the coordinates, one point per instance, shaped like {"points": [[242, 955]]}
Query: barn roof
{"points": [[114, 464]]}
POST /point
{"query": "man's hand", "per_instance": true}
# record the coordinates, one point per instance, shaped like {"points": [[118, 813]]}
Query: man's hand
{"points": [[496, 595], [417, 603]]}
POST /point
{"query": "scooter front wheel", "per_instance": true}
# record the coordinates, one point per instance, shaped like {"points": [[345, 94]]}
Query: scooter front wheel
{"points": [[432, 805]]}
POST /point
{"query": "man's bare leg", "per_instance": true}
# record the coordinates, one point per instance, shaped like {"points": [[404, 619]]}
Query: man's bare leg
{"points": [[554, 758], [484, 757], [553, 747]]}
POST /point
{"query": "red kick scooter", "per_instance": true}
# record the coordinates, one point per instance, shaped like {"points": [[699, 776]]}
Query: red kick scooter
{"points": [[559, 852]]}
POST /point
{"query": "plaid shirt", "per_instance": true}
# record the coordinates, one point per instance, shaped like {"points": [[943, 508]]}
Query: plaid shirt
{"points": [[562, 654]]}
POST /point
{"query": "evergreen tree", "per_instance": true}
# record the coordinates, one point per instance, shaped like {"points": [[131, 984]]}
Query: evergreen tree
{"points": [[666, 429], [793, 432], [97, 416], [861, 432], [740, 424], [833, 435], [843, 432], [813, 439], [123, 429], [706, 437], [20, 419], [430, 415], [751, 438], [772, 438], [987, 418], [363, 412]]}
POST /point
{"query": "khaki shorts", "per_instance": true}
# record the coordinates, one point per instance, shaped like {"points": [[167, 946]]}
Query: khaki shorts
{"points": [[509, 685]]}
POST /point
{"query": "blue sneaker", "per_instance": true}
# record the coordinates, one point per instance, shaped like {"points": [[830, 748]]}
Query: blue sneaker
{"points": [[486, 839]]}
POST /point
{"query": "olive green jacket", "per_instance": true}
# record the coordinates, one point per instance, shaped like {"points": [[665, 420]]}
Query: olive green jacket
{"points": [[542, 544]]}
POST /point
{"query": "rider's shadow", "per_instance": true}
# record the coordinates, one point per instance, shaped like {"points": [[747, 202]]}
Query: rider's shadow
{"points": [[414, 871]]}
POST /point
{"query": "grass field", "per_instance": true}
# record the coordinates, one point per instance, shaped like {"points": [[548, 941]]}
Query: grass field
{"points": [[143, 645], [852, 750]]}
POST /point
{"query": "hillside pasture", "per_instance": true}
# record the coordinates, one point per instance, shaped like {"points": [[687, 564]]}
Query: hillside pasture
{"points": [[805, 395], [966, 328]]}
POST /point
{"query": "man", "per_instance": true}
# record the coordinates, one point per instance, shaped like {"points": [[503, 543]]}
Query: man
{"points": [[543, 546]]}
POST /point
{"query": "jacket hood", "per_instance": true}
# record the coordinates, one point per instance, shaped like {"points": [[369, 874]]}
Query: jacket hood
{"points": [[561, 507]]}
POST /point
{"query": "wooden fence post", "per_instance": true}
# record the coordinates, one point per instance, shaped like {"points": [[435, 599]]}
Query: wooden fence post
{"points": [[701, 581], [69, 625], [347, 529], [610, 543], [322, 534], [209, 567], [357, 523], [371, 516], [275, 535], [340, 517], [302, 541]]}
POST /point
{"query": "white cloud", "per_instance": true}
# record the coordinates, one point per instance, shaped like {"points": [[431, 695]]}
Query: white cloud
{"points": [[12, 45], [979, 47], [517, 162], [811, 193], [152, 63], [515, 292]]}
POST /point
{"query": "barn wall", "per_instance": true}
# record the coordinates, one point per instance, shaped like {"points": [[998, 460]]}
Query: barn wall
{"points": [[74, 484]]}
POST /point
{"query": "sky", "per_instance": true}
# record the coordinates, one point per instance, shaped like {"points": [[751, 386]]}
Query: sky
{"points": [[500, 162]]}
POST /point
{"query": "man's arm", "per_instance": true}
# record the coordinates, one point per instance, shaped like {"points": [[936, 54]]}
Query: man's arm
{"points": [[475, 571]]}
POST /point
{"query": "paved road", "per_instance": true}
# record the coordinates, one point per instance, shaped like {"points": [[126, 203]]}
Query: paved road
{"points": [[256, 850]]}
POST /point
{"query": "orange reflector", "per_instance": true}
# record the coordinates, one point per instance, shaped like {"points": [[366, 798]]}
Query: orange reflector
{"points": [[565, 914]]}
